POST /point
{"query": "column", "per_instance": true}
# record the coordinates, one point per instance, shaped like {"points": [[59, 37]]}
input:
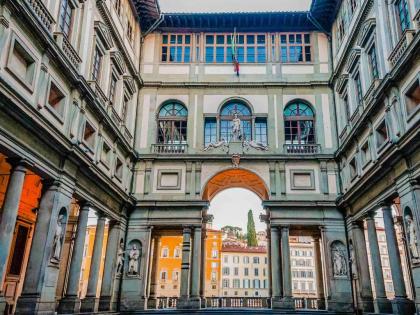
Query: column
{"points": [[319, 272], [382, 304], [109, 266], [400, 304], [275, 267], [185, 269], [70, 303], [195, 269], [154, 276], [287, 300], [203, 268], [8, 219], [359, 242], [90, 302]]}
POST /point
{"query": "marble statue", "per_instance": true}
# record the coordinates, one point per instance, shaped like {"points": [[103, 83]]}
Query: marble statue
{"points": [[353, 261], [58, 239], [236, 128], [216, 145], [120, 258], [133, 261], [339, 260], [256, 145], [411, 236]]}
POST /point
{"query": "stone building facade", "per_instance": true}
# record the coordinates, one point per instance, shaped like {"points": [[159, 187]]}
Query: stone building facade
{"points": [[115, 107]]}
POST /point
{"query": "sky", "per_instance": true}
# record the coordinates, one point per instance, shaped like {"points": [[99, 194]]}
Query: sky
{"points": [[233, 5], [230, 207]]}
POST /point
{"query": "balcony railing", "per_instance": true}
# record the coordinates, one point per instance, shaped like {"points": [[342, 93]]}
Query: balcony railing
{"points": [[238, 302], [170, 148], [42, 13], [301, 148], [68, 49], [306, 303], [166, 302], [401, 47]]}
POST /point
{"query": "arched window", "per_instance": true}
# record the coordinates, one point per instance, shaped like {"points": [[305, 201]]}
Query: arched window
{"points": [[227, 114], [172, 123], [299, 123]]}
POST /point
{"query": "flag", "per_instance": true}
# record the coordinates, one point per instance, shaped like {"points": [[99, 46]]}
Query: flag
{"points": [[234, 53]]}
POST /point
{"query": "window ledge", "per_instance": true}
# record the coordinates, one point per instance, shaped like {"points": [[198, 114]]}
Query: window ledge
{"points": [[161, 148]]}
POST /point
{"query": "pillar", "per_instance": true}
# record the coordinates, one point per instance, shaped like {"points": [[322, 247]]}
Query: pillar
{"points": [[70, 303], [275, 268], [90, 302], [196, 269], [154, 275], [203, 268], [39, 287], [400, 304], [363, 277], [8, 219], [183, 301], [109, 266], [287, 299], [381, 302], [319, 272]]}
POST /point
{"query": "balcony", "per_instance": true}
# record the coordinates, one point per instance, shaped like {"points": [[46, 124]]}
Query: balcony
{"points": [[42, 13], [301, 149], [170, 148], [67, 49], [401, 47]]}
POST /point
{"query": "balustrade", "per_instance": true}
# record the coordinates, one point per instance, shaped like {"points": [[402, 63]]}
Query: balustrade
{"points": [[306, 303], [237, 302], [302, 148], [169, 148], [401, 47]]}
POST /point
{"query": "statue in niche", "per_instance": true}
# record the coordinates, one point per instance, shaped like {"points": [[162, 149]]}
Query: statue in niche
{"points": [[353, 261], [411, 237], [58, 239], [339, 260], [133, 261], [120, 258], [236, 128]]}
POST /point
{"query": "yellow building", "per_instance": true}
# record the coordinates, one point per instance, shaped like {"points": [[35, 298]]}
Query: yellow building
{"points": [[169, 265]]}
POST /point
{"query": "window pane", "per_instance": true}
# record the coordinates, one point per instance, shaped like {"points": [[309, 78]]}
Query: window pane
{"points": [[210, 131], [187, 54], [250, 54], [209, 54], [261, 39], [165, 39], [220, 39], [173, 39], [220, 54], [250, 39], [240, 52], [179, 54], [261, 54], [187, 39], [209, 39]]}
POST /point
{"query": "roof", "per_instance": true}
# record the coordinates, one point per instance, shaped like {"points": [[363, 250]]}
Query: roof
{"points": [[240, 249], [320, 17]]}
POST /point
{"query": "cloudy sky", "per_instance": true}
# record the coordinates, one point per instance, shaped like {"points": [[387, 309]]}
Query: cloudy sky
{"points": [[233, 5], [230, 207]]}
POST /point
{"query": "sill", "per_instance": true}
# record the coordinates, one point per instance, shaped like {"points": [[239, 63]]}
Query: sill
{"points": [[105, 164], [383, 145], [29, 86], [53, 112], [366, 164]]}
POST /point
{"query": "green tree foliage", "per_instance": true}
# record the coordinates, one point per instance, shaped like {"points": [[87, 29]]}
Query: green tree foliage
{"points": [[251, 235]]}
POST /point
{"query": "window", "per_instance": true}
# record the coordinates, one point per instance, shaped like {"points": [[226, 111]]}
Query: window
{"points": [[165, 252], [89, 135], [373, 62], [256, 272], [225, 271], [295, 47], [346, 107], [172, 123], [177, 252], [226, 259], [250, 48], [213, 276], [228, 112], [112, 88], [353, 168], [299, 123], [66, 14], [176, 48], [358, 86], [246, 271], [236, 271], [210, 130], [56, 99], [225, 283], [256, 283], [124, 109], [412, 98], [365, 153], [236, 259], [175, 276], [236, 283], [117, 6], [246, 260], [129, 31], [214, 253], [381, 134], [106, 153], [256, 260], [96, 66], [119, 169], [163, 275], [261, 130], [403, 14], [214, 264], [21, 63]]}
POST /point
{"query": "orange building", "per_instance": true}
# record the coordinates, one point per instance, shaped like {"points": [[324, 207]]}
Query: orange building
{"points": [[169, 265]]}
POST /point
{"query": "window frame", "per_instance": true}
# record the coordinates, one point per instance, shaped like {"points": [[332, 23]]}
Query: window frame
{"points": [[303, 44], [300, 118], [96, 67], [67, 13], [172, 119], [405, 24], [176, 45]]}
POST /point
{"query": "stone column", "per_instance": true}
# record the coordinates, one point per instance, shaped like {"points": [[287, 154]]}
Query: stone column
{"points": [[38, 294], [400, 304], [382, 304], [154, 275], [70, 303], [183, 301], [8, 220], [319, 272], [203, 270], [90, 302], [287, 299], [109, 266], [275, 268], [359, 242], [195, 270]]}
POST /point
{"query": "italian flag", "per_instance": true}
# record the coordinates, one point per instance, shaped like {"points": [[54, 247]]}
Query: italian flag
{"points": [[234, 54]]}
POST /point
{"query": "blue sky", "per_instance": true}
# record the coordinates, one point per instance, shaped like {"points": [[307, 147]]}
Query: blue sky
{"points": [[233, 5]]}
